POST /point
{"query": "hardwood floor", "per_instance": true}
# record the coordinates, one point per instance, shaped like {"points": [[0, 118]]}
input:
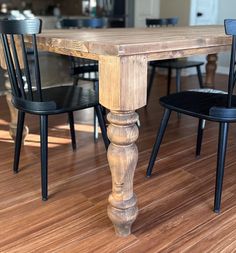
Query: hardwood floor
{"points": [[175, 203]]}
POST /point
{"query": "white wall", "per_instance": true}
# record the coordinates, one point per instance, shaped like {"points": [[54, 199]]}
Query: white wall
{"points": [[146, 9], [175, 8], [227, 9]]}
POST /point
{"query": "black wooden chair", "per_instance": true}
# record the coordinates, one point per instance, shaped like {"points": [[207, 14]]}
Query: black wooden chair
{"points": [[80, 68], [215, 107], [35, 100], [173, 64], [83, 69]]}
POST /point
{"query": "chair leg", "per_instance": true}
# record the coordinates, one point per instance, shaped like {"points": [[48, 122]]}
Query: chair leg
{"points": [[178, 76], [44, 155], [102, 124], [95, 127], [104, 110], [96, 86], [18, 141], [95, 120], [199, 74], [158, 141], [72, 130], [178, 85], [201, 126], [150, 82], [138, 123], [75, 80], [222, 145], [169, 75]]}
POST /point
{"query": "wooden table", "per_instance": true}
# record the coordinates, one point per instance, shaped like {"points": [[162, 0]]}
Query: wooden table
{"points": [[123, 55]]}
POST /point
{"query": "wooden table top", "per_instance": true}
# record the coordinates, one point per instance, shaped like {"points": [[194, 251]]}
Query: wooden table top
{"points": [[156, 43]]}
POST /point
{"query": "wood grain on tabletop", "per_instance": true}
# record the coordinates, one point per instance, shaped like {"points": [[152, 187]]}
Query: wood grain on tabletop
{"points": [[157, 43]]}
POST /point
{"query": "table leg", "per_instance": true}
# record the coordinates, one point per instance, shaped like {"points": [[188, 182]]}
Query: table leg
{"points": [[122, 158], [211, 70], [13, 112], [122, 89]]}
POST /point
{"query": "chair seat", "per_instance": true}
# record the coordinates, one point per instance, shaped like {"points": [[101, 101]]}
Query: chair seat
{"points": [[85, 72], [59, 99], [176, 64], [198, 104], [208, 90], [84, 69]]}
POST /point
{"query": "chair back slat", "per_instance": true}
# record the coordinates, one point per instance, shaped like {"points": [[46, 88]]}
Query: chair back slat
{"points": [[9, 64], [12, 32], [36, 69], [230, 29], [231, 71], [17, 66], [234, 78], [26, 67]]}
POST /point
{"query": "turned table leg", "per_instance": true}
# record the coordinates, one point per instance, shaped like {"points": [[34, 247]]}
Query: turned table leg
{"points": [[13, 112], [122, 158], [211, 70], [122, 89]]}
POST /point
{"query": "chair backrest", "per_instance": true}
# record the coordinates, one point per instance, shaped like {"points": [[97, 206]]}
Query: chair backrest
{"points": [[229, 110], [172, 21], [155, 22], [94, 23], [84, 68], [230, 29], [85, 22], [158, 22], [71, 23], [12, 34]]}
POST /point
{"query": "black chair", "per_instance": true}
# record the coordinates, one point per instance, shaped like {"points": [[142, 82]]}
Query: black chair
{"points": [[71, 23], [80, 68], [215, 107], [173, 64], [94, 23], [83, 69], [35, 100]]}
